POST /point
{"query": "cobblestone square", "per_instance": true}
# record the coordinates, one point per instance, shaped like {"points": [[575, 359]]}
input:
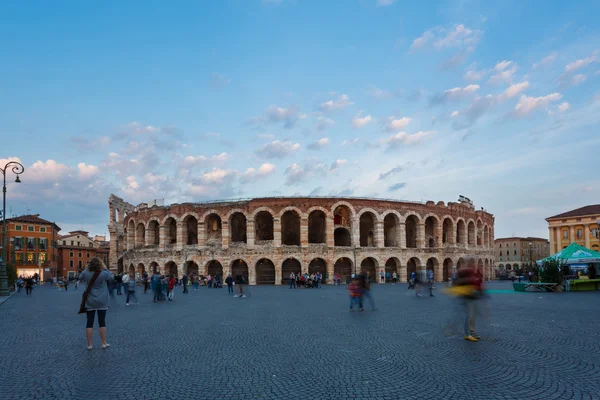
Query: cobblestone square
{"points": [[303, 344]]}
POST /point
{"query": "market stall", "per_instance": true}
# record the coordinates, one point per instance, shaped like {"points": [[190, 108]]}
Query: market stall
{"points": [[583, 265]]}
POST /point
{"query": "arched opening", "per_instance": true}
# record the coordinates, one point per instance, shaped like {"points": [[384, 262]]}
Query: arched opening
{"points": [[367, 229], [171, 268], [343, 267], [431, 266], [341, 237], [431, 227], [461, 230], [316, 227], [447, 231], [391, 224], [140, 271], [213, 230], [412, 266], [447, 270], [290, 265], [131, 271], [471, 234], [486, 236], [342, 216], [411, 231], [369, 265], [154, 232], [214, 269], [140, 235], [263, 226], [154, 267], [290, 228], [192, 269], [120, 266], [120, 244], [480, 265], [460, 263], [265, 272], [479, 233], [318, 265], [237, 225], [171, 230], [239, 268], [391, 265], [190, 224]]}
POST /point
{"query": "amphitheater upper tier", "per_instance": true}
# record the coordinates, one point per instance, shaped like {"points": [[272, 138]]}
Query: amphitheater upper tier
{"points": [[267, 238]]}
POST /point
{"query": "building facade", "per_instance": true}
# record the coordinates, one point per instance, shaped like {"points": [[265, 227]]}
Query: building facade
{"points": [[579, 226], [517, 252], [266, 239], [32, 245], [76, 249]]}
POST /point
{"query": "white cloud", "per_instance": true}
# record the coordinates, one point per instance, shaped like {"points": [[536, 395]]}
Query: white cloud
{"points": [[87, 171], [549, 59], [399, 138], [503, 72], [252, 174], [347, 142], [385, 3], [456, 93], [513, 90], [319, 144], [296, 174], [564, 106], [217, 175], [473, 74], [527, 105], [338, 104], [359, 121], [48, 171], [502, 65], [394, 124], [582, 62], [203, 160], [132, 184], [324, 123], [274, 114], [454, 114], [459, 36], [336, 164], [578, 79], [277, 149], [136, 127]]}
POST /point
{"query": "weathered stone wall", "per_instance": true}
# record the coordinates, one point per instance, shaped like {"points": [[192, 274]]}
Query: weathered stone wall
{"points": [[445, 253]]}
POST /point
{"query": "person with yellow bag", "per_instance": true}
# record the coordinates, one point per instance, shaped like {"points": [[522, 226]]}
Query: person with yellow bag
{"points": [[468, 286]]}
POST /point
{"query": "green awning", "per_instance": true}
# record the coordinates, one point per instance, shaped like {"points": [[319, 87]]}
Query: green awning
{"points": [[574, 254]]}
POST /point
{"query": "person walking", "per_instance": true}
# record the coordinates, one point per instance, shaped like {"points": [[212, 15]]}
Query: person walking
{"points": [[66, 281], [364, 280], [96, 275], [156, 286], [319, 279], [171, 284], [470, 285], [292, 280], [229, 282], [119, 281], [129, 285], [19, 284], [184, 282], [394, 278], [354, 291], [381, 277], [28, 286], [145, 281], [240, 286]]}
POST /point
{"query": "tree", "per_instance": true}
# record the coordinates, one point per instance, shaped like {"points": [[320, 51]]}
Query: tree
{"points": [[11, 271], [551, 272]]}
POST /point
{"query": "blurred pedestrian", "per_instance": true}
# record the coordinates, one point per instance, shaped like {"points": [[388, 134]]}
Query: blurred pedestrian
{"points": [[364, 280], [129, 285], [184, 282], [292, 280], [96, 275], [355, 292], [171, 286], [229, 282], [28, 285]]}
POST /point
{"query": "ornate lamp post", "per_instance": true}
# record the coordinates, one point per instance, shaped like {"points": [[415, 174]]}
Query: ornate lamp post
{"points": [[17, 169]]}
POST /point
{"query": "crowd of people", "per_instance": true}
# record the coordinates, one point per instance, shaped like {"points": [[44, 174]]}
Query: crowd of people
{"points": [[305, 280]]}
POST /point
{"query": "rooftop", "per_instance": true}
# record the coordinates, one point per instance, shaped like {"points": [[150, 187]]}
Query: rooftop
{"points": [[579, 212], [33, 219], [521, 238]]}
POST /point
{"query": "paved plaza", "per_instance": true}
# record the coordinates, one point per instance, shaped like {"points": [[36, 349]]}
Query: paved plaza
{"points": [[302, 344]]}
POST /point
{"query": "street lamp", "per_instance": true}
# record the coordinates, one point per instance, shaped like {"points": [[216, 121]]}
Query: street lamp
{"points": [[17, 169]]}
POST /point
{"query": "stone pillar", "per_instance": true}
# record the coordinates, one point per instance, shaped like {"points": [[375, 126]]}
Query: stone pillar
{"points": [[250, 233], [252, 274], [586, 235], [131, 239], [551, 231], [355, 232], [438, 232], [571, 234], [558, 239], [379, 235], [162, 239], [277, 232], [438, 273], [278, 271], [402, 234], [452, 235], [225, 235], [180, 243], [403, 274], [201, 234], [329, 231], [149, 237], [420, 235], [330, 272], [226, 270], [304, 231]]}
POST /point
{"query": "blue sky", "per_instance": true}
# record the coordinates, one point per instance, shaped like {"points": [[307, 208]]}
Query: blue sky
{"points": [[226, 99]]}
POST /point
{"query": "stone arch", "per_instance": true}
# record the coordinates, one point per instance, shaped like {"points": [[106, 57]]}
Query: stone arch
{"points": [[367, 222], [190, 228], [410, 230], [153, 231], [140, 235], [471, 235], [164, 220], [130, 230], [318, 265], [239, 267], [238, 226], [213, 227], [346, 204], [461, 231], [263, 224], [317, 225], [265, 272], [432, 223], [170, 224], [343, 215], [413, 265], [370, 265], [344, 267], [290, 226], [214, 268], [391, 228], [170, 268], [259, 209], [447, 269], [290, 208], [141, 268], [192, 268], [433, 265], [342, 237], [289, 265], [377, 216], [154, 267], [447, 229], [392, 265], [131, 271]]}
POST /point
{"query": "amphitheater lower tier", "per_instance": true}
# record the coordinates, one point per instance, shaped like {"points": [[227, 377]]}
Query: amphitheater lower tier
{"points": [[273, 265]]}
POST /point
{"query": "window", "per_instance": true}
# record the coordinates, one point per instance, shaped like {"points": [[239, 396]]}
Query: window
{"points": [[515, 258], [91, 244], [43, 244], [565, 234], [515, 252], [70, 263], [19, 257], [31, 258], [87, 255], [42, 257], [43, 229], [579, 234], [79, 254], [18, 243], [500, 258], [79, 264], [71, 243], [70, 254], [17, 227], [500, 245], [30, 228], [30, 243], [507, 253]]}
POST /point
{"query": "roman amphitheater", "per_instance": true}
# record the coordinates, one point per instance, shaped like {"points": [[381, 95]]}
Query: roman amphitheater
{"points": [[266, 239]]}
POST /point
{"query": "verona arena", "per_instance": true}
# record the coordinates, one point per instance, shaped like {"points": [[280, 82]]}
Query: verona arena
{"points": [[268, 238]]}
